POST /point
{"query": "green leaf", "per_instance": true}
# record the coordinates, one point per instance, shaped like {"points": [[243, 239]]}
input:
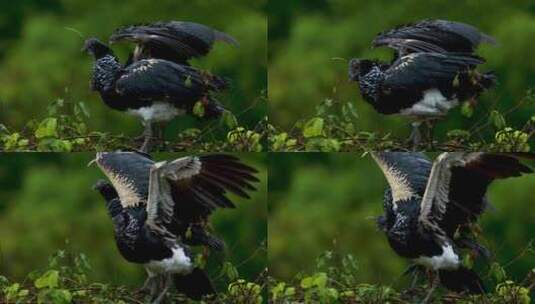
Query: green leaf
{"points": [[498, 272], [229, 119], [47, 128], [468, 261], [230, 271], [313, 128], [320, 279], [497, 120], [188, 83], [307, 282], [12, 291], [49, 279], [198, 109], [467, 110]]}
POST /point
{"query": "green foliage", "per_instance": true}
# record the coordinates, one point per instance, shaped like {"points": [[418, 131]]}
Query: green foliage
{"points": [[333, 286], [337, 127], [64, 281], [64, 129]]}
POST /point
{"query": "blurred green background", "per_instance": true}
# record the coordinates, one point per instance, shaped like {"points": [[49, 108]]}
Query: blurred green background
{"points": [[46, 199], [311, 41], [41, 61], [316, 200]]}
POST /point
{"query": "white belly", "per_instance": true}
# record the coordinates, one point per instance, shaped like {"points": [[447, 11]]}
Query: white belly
{"points": [[179, 263], [157, 112], [448, 260], [432, 104]]}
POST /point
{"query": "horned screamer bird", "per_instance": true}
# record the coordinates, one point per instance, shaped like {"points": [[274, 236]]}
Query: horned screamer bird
{"points": [[155, 90], [159, 209], [434, 69], [176, 41], [426, 204]]}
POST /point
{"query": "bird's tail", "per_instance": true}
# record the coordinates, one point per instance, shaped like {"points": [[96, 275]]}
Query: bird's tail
{"points": [[462, 279], [194, 285]]}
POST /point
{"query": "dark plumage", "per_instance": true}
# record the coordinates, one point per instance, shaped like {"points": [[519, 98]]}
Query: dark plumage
{"points": [[427, 203], [175, 41], [159, 209], [433, 70], [420, 85], [402, 87], [155, 90], [432, 36]]}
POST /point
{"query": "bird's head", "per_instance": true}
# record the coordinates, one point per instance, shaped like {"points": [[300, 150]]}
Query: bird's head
{"points": [[106, 189], [382, 223], [128, 172], [360, 67], [96, 48]]}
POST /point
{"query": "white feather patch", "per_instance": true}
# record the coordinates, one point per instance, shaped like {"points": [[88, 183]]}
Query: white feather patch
{"points": [[447, 260], [178, 263], [432, 104], [125, 189], [157, 112], [399, 184]]}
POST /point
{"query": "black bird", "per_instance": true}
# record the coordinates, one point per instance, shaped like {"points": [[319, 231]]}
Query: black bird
{"points": [[433, 36], [439, 88], [155, 90], [176, 41], [422, 86], [427, 203], [159, 209]]}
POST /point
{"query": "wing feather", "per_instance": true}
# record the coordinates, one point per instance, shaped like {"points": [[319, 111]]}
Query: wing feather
{"points": [[187, 190], [455, 192]]}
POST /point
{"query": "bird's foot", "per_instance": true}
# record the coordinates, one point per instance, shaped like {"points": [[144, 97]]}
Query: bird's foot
{"points": [[415, 271], [166, 282], [147, 145], [434, 283]]}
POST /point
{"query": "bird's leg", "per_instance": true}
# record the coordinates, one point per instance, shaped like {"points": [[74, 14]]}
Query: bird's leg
{"points": [[166, 285], [155, 286], [147, 137], [159, 133], [416, 137], [434, 284], [148, 285], [430, 124]]}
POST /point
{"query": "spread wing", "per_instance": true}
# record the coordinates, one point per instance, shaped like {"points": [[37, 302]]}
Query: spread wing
{"points": [[186, 191], [175, 41], [433, 36], [406, 173], [155, 79], [455, 193], [428, 69]]}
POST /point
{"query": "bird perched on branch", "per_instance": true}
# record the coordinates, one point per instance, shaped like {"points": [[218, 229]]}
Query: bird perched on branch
{"points": [[157, 84], [161, 209], [434, 69], [430, 207]]}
